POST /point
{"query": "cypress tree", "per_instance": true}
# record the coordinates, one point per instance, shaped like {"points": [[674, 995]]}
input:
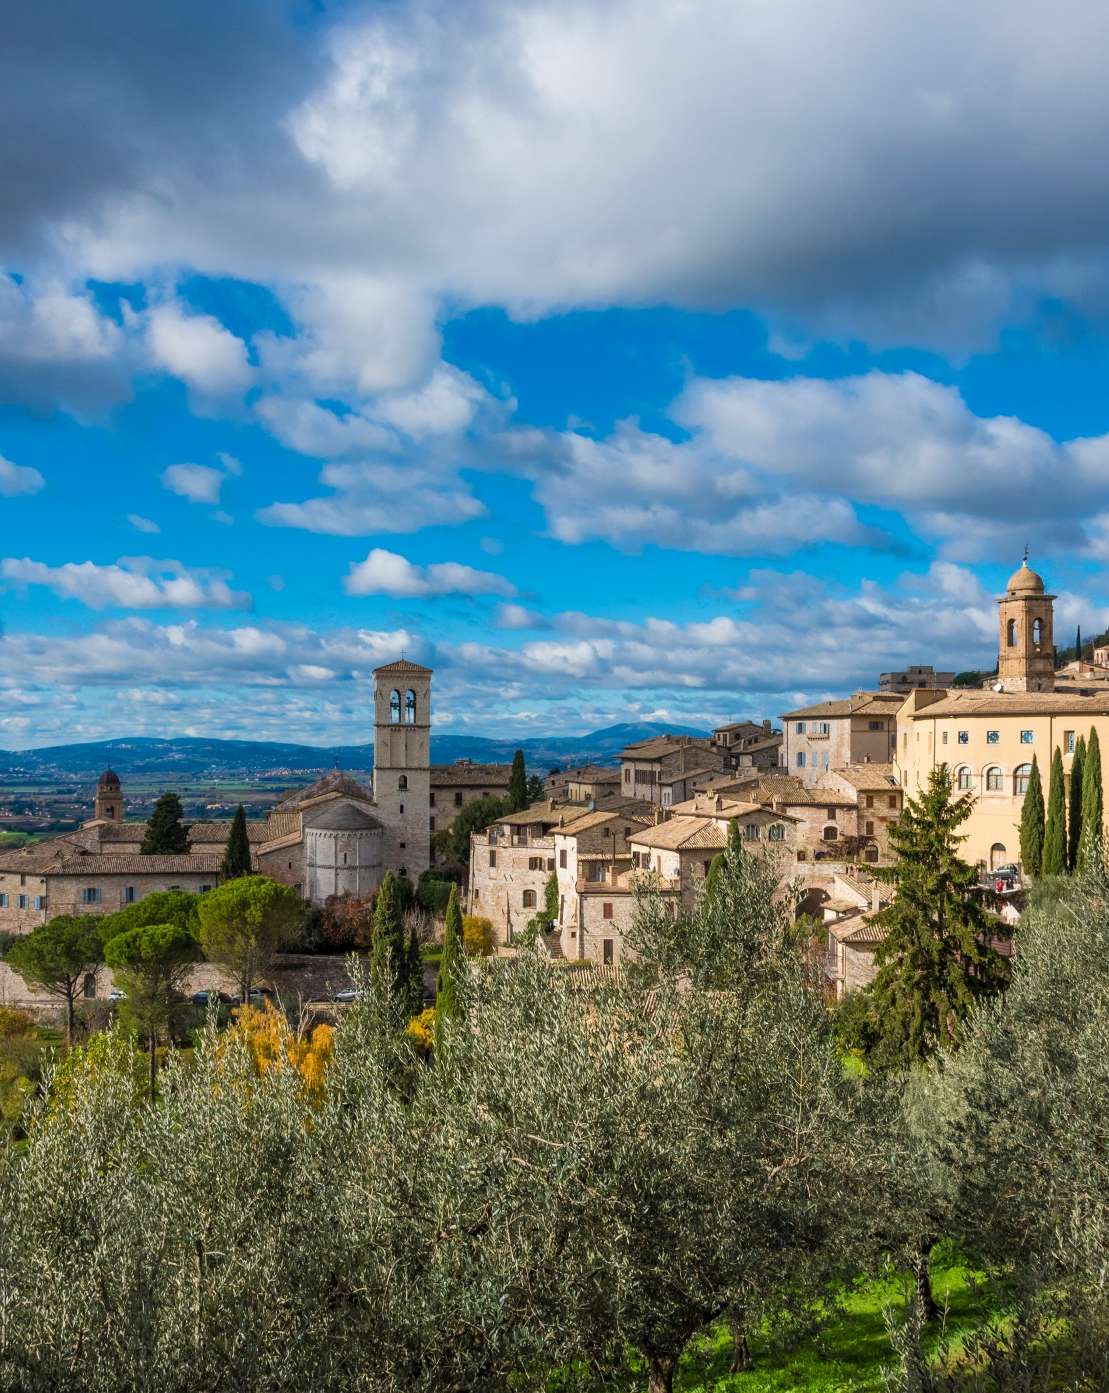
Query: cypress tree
{"points": [[389, 963], [236, 856], [1092, 811], [1078, 643], [1074, 804], [936, 960], [518, 784], [1055, 829], [413, 974], [450, 964], [1032, 825], [166, 834]]}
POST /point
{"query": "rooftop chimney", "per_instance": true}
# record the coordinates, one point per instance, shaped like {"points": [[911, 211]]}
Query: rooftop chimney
{"points": [[876, 897]]}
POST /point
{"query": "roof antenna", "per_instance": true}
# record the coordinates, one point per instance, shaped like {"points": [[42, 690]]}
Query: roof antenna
{"points": [[1026, 553]]}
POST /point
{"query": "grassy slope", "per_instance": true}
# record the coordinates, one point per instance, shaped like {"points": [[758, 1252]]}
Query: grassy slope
{"points": [[848, 1354]]}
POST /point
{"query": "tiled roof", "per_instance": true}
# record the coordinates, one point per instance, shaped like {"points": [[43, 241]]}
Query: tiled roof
{"points": [[121, 831], [682, 834], [588, 820], [863, 886], [257, 830], [545, 812], [335, 781], [783, 788], [659, 745], [856, 930], [869, 778], [464, 774], [861, 703], [1014, 704], [403, 665], [129, 864], [704, 805], [586, 773]]}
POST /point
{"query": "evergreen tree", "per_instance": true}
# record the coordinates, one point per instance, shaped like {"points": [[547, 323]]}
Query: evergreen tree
{"points": [[1032, 825], [518, 784], [535, 789], [1092, 811], [390, 963], [936, 960], [1055, 828], [450, 964], [1074, 803], [236, 857], [1078, 643], [166, 834]]}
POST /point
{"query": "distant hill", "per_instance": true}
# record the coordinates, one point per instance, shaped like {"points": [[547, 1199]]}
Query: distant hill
{"points": [[195, 757]]}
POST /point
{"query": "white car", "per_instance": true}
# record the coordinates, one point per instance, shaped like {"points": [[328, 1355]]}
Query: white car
{"points": [[348, 994], [116, 995]]}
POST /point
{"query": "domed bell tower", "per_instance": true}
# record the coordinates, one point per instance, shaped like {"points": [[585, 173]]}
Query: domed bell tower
{"points": [[109, 797], [1026, 649], [402, 764]]}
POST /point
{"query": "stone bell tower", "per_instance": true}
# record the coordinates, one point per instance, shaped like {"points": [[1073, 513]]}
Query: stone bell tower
{"points": [[402, 764], [109, 797], [1026, 647]]}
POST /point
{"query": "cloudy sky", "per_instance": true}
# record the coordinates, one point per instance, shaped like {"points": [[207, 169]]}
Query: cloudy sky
{"points": [[619, 358]]}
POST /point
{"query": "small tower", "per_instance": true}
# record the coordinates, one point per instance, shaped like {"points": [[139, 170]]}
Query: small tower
{"points": [[402, 764], [109, 797], [1026, 647]]}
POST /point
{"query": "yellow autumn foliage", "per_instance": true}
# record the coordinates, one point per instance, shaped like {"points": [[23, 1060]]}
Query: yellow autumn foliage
{"points": [[478, 937], [422, 1029], [272, 1045]]}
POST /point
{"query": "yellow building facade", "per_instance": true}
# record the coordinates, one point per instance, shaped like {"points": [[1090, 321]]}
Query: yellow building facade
{"points": [[989, 738]]}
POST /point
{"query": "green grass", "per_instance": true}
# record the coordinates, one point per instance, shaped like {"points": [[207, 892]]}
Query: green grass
{"points": [[847, 1354]]}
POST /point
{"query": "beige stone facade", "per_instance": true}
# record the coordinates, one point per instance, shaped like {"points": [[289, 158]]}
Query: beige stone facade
{"points": [[860, 729], [662, 770], [454, 786]]}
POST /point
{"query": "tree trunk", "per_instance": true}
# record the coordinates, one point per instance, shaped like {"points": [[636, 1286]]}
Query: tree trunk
{"points": [[661, 1379], [922, 1275], [69, 1020], [742, 1363]]}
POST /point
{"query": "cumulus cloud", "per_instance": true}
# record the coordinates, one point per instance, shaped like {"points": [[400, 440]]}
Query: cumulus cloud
{"points": [[199, 350], [57, 348], [370, 497], [18, 479], [387, 573], [311, 429], [131, 583], [199, 483], [513, 616]]}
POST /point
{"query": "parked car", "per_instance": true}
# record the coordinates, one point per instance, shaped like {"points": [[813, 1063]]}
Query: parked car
{"points": [[117, 995], [202, 998], [348, 995], [259, 995]]}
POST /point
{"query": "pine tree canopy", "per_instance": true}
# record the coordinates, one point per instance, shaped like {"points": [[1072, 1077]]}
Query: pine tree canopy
{"points": [[166, 834], [936, 960], [1055, 828]]}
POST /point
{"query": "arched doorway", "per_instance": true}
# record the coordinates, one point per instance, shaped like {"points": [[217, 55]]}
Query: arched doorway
{"points": [[998, 856]]}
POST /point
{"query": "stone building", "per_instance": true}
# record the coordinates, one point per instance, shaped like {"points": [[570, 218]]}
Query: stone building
{"points": [[585, 783], [662, 769], [749, 744], [859, 729], [912, 678], [334, 836], [455, 785]]}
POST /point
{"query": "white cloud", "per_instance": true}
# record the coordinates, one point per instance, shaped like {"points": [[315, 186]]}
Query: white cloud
{"points": [[141, 524], [199, 350], [380, 498], [444, 405], [512, 616], [199, 483], [387, 573], [311, 429], [132, 583], [18, 479]]}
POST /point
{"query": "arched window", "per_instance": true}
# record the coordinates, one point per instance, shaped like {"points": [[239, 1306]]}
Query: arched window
{"points": [[1037, 631], [777, 832], [402, 782], [1011, 633], [871, 853], [831, 834], [993, 780], [1021, 774], [410, 708], [529, 899], [394, 708], [998, 855], [965, 778]]}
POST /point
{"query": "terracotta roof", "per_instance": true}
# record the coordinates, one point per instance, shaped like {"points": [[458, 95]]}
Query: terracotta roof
{"points": [[464, 774], [783, 788], [659, 745], [598, 817], [121, 831], [863, 886], [856, 929], [878, 703], [335, 781], [403, 665], [128, 864], [587, 773], [339, 816], [546, 812], [1014, 704], [869, 778], [257, 830], [683, 834]]}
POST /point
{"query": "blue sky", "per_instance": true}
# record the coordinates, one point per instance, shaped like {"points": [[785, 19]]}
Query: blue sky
{"points": [[669, 360]]}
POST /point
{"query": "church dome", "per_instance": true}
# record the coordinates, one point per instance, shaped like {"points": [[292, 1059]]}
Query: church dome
{"points": [[1024, 581], [109, 779]]}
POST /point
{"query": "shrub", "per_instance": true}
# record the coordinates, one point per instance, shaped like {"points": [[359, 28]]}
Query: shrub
{"points": [[477, 936]]}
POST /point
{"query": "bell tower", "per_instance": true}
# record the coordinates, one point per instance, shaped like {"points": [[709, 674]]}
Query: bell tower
{"points": [[1026, 643], [109, 798], [402, 764]]}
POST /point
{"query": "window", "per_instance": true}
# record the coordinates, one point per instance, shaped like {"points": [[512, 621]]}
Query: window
{"points": [[606, 909], [801, 853], [529, 899], [1021, 774], [871, 853], [868, 800], [606, 951], [943, 740], [964, 778], [23, 901], [204, 889], [1068, 741], [394, 708], [431, 825], [402, 782], [799, 728], [431, 799], [458, 799], [870, 829], [3, 900], [831, 814], [410, 708], [627, 775], [992, 737], [344, 858], [1037, 631], [821, 728], [964, 737], [776, 832], [800, 759], [831, 834], [751, 831], [89, 895], [875, 725], [128, 894], [550, 863], [1027, 737], [893, 801], [1011, 634], [402, 809], [993, 780], [40, 901], [562, 859], [535, 863], [477, 895], [493, 858]]}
